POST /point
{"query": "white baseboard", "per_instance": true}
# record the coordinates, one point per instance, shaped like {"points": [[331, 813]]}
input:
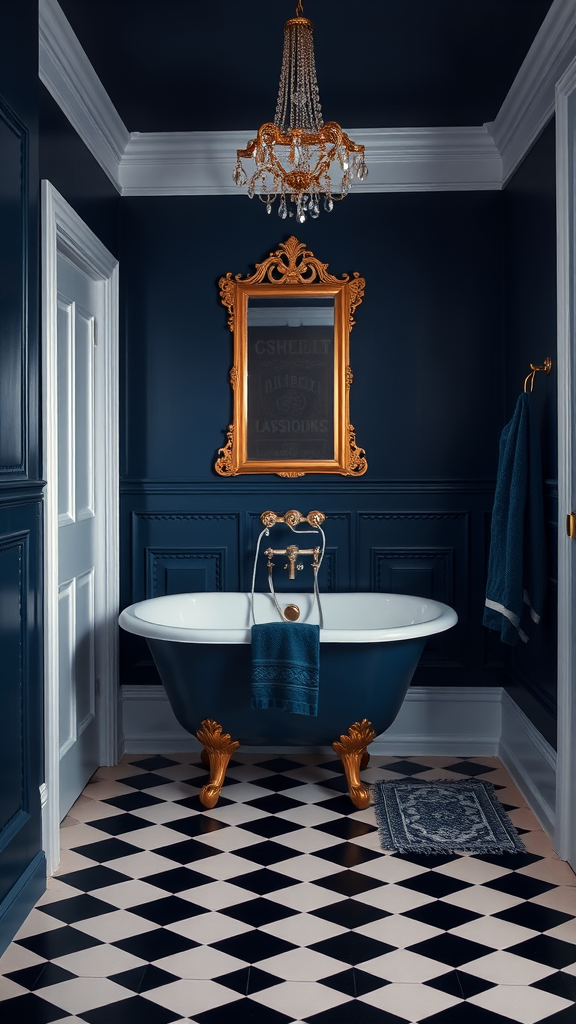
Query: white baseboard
{"points": [[531, 762], [433, 720]]}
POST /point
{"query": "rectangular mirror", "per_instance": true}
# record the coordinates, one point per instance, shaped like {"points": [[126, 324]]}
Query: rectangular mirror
{"points": [[291, 377]]}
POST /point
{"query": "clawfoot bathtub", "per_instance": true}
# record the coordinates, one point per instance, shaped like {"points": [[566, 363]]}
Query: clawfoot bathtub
{"points": [[370, 647]]}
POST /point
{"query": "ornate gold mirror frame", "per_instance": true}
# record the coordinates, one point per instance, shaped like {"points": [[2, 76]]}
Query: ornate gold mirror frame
{"points": [[291, 376]]}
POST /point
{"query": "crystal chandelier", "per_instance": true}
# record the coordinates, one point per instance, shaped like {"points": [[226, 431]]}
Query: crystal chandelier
{"points": [[294, 155]]}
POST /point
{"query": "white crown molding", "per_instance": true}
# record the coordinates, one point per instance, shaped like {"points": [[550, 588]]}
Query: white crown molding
{"points": [[69, 76], [530, 102], [399, 160]]}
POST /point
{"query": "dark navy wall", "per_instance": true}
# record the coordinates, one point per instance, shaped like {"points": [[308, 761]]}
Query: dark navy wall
{"points": [[530, 290], [22, 866], [427, 405], [68, 165]]}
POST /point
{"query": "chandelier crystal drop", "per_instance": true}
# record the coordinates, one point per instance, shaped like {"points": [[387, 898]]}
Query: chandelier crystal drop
{"points": [[296, 155]]}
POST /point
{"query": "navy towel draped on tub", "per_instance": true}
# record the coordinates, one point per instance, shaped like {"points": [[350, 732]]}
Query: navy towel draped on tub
{"points": [[285, 666], [517, 564]]}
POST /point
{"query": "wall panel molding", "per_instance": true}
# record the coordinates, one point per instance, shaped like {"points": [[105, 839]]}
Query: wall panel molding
{"points": [[530, 760], [171, 571]]}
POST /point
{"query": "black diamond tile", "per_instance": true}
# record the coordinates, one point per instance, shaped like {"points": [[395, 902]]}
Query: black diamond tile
{"points": [[40, 976], [274, 803], [174, 880], [470, 768], [77, 908], [137, 1010], [164, 911], [267, 853], [155, 944], [90, 879], [143, 979], [193, 802], [513, 861], [347, 855], [182, 853], [280, 764], [29, 1009], [198, 824], [133, 801], [354, 982], [460, 984], [253, 946], [350, 913], [337, 783], [451, 949], [277, 783], [426, 860], [519, 885], [441, 915], [264, 881], [349, 883], [559, 984], [259, 912], [193, 849], [107, 849], [338, 805], [363, 1014], [565, 1016], [248, 980], [243, 1011], [146, 781], [352, 948], [407, 767], [468, 1013], [335, 765], [346, 828], [544, 949], [151, 764], [270, 827], [59, 942], [118, 824], [434, 884], [531, 915]]}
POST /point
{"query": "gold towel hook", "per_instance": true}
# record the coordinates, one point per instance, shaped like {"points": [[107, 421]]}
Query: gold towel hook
{"points": [[546, 366]]}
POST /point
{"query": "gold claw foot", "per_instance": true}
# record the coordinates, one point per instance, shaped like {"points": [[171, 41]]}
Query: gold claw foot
{"points": [[351, 750], [218, 749]]}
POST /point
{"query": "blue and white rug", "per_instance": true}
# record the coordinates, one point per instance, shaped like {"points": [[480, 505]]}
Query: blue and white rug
{"points": [[464, 816]]}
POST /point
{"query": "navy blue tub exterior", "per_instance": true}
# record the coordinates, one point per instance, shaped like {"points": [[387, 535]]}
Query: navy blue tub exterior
{"points": [[357, 680]]}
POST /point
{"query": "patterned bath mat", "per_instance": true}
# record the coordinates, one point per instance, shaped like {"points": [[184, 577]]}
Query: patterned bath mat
{"points": [[444, 816]]}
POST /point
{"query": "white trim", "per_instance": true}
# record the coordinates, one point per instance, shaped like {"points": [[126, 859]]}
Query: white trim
{"points": [[69, 76], [400, 160], [530, 760], [529, 104], [566, 374], [63, 231], [432, 720]]}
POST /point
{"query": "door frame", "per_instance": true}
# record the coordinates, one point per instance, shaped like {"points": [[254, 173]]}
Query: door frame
{"points": [[64, 232], [565, 837]]}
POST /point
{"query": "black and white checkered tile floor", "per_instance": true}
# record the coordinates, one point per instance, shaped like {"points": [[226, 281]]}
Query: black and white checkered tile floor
{"points": [[278, 906]]}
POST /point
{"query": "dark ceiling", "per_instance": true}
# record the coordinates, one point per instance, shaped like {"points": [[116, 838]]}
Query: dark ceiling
{"points": [[186, 65]]}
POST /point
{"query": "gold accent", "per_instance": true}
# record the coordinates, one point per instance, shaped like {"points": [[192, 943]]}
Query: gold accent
{"points": [[529, 382], [351, 750], [571, 525], [225, 462], [292, 612], [292, 518], [218, 749], [292, 273]]}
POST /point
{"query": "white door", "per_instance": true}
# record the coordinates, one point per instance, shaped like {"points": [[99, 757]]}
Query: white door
{"points": [[80, 586]]}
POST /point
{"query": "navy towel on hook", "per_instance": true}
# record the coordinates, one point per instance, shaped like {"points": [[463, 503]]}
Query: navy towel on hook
{"points": [[517, 563], [285, 666]]}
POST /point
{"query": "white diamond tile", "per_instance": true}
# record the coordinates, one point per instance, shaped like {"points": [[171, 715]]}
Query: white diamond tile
{"points": [[224, 866], [248, 773], [78, 995], [72, 861], [399, 931], [138, 865], [17, 958], [80, 835], [199, 963], [236, 814], [120, 771], [521, 817], [229, 839], [10, 989], [303, 929], [305, 897], [106, 789], [180, 772], [562, 898], [402, 965], [311, 774], [308, 815], [173, 791], [208, 928], [550, 869], [216, 895], [394, 898], [413, 1003], [120, 924], [99, 961], [242, 792], [520, 1003], [152, 837], [302, 997], [130, 894], [493, 932], [501, 967], [480, 899], [90, 810], [469, 869], [192, 997], [539, 843], [565, 932], [57, 890], [305, 867], [302, 965], [36, 923], [164, 813], [389, 869], [308, 840]]}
